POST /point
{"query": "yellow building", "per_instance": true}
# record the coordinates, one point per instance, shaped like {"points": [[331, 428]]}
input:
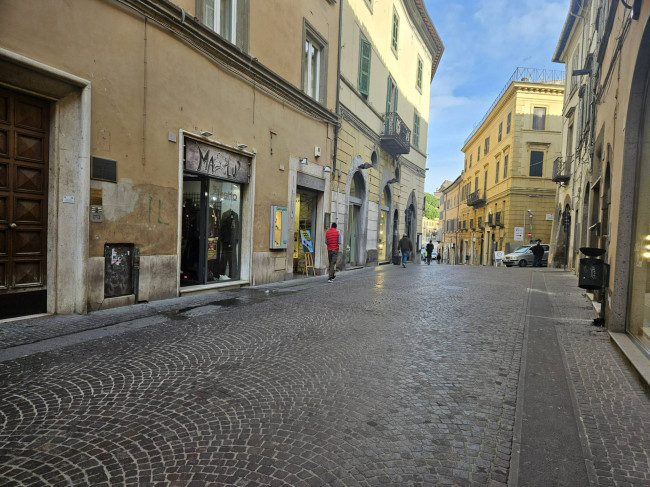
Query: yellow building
{"points": [[450, 204], [159, 145], [607, 161], [506, 189], [429, 228], [389, 54]]}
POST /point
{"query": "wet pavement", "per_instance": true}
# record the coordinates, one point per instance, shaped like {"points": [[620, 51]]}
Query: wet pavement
{"points": [[388, 376]]}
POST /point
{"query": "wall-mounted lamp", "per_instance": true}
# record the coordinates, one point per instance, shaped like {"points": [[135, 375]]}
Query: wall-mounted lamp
{"points": [[206, 133], [326, 169], [365, 165], [303, 160], [241, 146]]}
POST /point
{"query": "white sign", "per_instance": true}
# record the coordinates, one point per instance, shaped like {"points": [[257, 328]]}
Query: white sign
{"points": [[549, 217], [498, 257], [519, 234], [68, 199]]}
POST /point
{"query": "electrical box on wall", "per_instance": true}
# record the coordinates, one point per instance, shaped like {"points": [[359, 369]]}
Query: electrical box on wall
{"points": [[316, 151], [279, 227]]}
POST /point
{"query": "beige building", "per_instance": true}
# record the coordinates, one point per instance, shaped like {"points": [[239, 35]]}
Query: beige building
{"points": [[389, 54], [609, 202], [450, 203], [149, 148], [429, 229], [506, 191]]}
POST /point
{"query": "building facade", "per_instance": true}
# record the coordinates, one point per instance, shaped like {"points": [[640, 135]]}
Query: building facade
{"points": [[608, 201], [165, 161], [450, 203], [507, 195], [389, 54]]}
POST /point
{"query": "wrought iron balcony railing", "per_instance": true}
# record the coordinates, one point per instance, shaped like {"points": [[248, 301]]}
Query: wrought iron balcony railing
{"points": [[562, 170], [476, 198], [396, 138]]}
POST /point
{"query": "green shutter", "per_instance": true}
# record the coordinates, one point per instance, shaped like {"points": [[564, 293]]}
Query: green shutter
{"points": [[364, 67], [416, 130], [388, 95]]}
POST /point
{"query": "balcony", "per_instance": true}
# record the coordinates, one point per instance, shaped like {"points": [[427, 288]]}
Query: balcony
{"points": [[396, 138], [476, 199], [561, 170]]}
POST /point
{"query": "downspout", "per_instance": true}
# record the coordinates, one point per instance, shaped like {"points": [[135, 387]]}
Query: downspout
{"points": [[338, 114]]}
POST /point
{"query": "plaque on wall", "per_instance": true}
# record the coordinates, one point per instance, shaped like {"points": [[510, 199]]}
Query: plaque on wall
{"points": [[212, 161]]}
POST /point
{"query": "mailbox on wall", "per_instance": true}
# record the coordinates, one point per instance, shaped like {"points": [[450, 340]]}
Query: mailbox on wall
{"points": [[279, 231]]}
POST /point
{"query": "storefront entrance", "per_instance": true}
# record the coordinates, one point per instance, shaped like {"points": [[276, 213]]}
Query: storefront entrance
{"points": [[24, 129], [211, 225], [305, 227], [383, 246]]}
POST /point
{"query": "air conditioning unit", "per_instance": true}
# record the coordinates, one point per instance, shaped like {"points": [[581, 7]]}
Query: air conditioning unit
{"points": [[316, 151]]}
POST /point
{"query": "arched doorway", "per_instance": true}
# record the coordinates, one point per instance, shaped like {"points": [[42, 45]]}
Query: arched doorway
{"points": [[355, 231]]}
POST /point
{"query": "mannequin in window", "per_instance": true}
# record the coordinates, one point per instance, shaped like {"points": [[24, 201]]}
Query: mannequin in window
{"points": [[228, 241]]}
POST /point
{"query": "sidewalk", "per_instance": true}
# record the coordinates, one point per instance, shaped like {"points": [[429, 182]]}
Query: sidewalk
{"points": [[579, 399]]}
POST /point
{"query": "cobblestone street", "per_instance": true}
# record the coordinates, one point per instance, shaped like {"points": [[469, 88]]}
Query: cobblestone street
{"points": [[388, 376]]}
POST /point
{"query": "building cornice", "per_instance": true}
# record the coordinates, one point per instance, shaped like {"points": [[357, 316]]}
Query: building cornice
{"points": [[417, 11], [349, 116], [192, 33]]}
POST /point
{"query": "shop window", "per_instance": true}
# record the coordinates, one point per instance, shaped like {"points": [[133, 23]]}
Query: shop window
{"points": [[211, 230]]}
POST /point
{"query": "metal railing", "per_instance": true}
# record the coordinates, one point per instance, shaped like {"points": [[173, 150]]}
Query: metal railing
{"points": [[397, 136], [561, 170], [476, 198], [523, 75]]}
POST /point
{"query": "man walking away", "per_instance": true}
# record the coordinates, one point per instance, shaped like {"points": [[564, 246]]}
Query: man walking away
{"points": [[429, 252], [406, 246], [332, 241], [538, 252]]}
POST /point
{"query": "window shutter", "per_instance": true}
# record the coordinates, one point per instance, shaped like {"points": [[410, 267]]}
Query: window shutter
{"points": [[388, 93], [364, 67]]}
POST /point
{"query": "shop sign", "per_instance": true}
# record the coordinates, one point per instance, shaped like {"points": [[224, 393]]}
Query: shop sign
{"points": [[210, 160]]}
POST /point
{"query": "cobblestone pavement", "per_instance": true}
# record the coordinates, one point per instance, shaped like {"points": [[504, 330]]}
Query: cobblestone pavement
{"points": [[388, 376]]}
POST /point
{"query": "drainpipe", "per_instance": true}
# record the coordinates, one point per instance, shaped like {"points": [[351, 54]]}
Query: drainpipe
{"points": [[338, 90]]}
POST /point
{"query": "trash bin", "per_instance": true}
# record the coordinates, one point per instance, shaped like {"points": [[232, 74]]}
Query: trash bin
{"points": [[591, 274]]}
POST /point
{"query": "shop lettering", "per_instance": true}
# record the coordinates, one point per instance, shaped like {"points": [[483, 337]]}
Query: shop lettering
{"points": [[213, 166], [230, 196], [206, 159]]}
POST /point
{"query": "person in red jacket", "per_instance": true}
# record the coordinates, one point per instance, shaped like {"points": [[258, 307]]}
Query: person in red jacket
{"points": [[332, 241]]}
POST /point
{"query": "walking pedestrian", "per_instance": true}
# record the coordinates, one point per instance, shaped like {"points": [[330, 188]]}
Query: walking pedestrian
{"points": [[429, 252], [406, 246], [439, 256], [538, 252], [332, 239]]}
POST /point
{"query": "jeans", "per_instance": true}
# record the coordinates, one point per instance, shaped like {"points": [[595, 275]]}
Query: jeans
{"points": [[332, 256], [405, 256]]}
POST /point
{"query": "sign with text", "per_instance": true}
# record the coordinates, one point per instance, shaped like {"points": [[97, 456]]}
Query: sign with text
{"points": [[210, 160], [498, 257], [519, 234]]}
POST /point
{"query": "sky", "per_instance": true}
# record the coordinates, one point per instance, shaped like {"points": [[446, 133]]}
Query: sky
{"points": [[485, 41]]}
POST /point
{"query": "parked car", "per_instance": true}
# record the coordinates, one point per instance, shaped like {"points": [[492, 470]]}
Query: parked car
{"points": [[523, 256]]}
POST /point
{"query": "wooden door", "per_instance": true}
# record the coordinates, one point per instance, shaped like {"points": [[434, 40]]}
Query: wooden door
{"points": [[24, 128]]}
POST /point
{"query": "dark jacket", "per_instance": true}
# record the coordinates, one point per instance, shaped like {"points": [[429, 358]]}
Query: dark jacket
{"points": [[405, 244], [538, 250], [429, 248]]}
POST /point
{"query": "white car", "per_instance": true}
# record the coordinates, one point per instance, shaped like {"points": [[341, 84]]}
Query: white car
{"points": [[523, 256]]}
